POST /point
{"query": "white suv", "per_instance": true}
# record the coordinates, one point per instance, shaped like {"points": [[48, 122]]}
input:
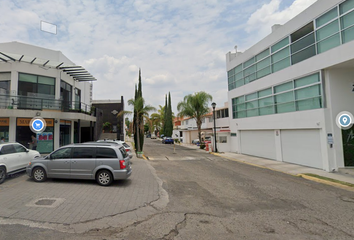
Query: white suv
{"points": [[14, 158]]}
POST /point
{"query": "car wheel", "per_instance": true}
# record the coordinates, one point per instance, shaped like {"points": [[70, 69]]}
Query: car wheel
{"points": [[104, 178], [39, 174], [2, 174]]}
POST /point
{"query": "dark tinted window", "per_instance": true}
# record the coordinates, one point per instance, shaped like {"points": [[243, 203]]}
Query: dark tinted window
{"points": [[124, 153], [105, 153], [61, 154], [83, 152], [19, 148], [8, 149]]}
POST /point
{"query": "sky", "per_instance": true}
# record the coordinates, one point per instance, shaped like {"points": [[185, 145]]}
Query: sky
{"points": [[180, 46]]}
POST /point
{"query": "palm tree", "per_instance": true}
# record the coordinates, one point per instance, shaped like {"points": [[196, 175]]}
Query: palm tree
{"points": [[156, 119], [150, 122], [140, 109], [195, 106]]}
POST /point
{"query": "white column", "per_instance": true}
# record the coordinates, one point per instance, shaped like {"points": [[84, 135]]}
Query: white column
{"points": [[72, 132], [56, 133], [12, 129]]}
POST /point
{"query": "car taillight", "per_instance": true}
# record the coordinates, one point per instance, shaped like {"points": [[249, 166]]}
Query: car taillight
{"points": [[122, 164], [127, 150]]}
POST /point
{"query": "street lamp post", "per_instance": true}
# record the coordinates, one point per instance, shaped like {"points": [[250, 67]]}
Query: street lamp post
{"points": [[214, 105]]}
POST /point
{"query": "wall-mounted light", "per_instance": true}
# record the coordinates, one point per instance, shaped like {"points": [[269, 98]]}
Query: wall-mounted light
{"points": [[38, 113], [55, 121]]}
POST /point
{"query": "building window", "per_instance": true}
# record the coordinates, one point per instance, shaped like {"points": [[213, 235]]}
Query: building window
{"points": [[5, 78], [223, 139], [322, 34], [296, 95], [36, 86]]}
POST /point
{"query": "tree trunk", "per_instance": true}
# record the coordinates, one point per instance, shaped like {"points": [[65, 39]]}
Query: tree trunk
{"points": [[138, 136], [199, 125]]}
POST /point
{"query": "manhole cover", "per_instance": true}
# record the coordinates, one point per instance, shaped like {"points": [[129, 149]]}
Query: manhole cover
{"points": [[45, 202]]}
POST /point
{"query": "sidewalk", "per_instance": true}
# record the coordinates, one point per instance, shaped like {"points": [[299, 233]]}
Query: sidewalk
{"points": [[288, 168]]}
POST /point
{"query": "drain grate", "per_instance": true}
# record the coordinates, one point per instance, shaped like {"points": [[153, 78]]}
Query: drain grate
{"points": [[46, 202]]}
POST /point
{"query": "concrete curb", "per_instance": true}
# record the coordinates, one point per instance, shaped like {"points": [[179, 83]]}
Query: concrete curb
{"points": [[334, 184], [319, 180]]}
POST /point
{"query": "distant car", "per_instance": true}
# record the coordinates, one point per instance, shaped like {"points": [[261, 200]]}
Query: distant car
{"points": [[148, 135], [14, 158], [168, 140], [124, 144], [103, 162], [196, 141], [153, 136]]}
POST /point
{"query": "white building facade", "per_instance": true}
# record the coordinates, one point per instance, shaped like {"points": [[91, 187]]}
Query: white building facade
{"points": [[39, 82], [190, 131], [286, 91]]}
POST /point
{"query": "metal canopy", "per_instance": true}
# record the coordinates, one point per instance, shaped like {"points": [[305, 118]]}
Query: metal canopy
{"points": [[78, 73]]}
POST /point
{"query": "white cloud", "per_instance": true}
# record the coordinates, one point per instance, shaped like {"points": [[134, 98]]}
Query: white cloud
{"points": [[180, 45], [260, 22]]}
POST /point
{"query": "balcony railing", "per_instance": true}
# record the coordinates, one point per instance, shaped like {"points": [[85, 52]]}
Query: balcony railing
{"points": [[34, 103]]}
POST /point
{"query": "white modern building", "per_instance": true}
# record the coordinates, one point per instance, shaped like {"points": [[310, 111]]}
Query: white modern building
{"points": [[190, 131], [286, 91], [39, 82]]}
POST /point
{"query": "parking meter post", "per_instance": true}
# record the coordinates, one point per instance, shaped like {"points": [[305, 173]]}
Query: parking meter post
{"points": [[174, 148]]}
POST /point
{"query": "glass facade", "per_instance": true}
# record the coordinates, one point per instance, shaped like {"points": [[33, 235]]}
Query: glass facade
{"points": [[5, 78], [36, 86], [328, 31], [297, 95]]}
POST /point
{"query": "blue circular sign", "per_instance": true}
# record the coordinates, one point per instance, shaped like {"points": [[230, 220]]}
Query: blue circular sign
{"points": [[37, 125], [344, 120]]}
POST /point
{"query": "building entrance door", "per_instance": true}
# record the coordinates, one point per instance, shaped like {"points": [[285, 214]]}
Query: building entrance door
{"points": [[348, 146]]}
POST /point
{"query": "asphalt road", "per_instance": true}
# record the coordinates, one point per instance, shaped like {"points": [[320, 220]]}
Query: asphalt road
{"points": [[214, 198], [210, 197]]}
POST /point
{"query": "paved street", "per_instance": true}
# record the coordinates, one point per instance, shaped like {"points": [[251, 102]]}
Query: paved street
{"points": [[179, 193], [213, 198], [74, 205]]}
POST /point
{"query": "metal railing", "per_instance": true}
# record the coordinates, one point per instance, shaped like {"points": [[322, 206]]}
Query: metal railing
{"points": [[34, 103]]}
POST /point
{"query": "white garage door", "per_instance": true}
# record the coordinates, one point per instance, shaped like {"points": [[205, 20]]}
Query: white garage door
{"points": [[302, 147], [258, 143]]}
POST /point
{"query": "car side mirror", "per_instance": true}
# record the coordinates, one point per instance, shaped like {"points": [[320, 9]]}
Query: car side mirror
{"points": [[27, 150]]}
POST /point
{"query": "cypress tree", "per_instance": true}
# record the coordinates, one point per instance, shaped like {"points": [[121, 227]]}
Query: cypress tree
{"points": [[141, 118], [134, 121], [169, 124], [165, 116]]}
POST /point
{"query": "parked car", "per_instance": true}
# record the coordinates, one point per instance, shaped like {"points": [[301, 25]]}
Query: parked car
{"points": [[196, 141], [104, 163], [168, 140], [14, 158], [153, 136], [125, 145], [148, 135]]}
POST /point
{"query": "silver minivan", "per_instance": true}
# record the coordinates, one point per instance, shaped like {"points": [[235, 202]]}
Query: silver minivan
{"points": [[101, 162]]}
